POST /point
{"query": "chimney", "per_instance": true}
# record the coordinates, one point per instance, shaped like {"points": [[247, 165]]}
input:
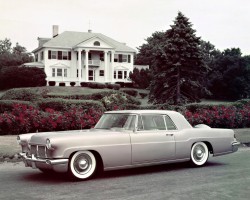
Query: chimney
{"points": [[55, 30], [90, 31]]}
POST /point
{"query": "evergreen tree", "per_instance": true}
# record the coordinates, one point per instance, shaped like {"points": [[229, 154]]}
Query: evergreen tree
{"points": [[178, 66]]}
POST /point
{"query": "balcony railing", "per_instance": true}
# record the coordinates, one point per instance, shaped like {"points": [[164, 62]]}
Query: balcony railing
{"points": [[95, 62]]}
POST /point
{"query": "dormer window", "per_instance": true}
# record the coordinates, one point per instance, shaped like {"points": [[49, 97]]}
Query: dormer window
{"points": [[96, 43]]}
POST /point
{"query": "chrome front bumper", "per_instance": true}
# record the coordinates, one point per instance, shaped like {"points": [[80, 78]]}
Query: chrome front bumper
{"points": [[235, 146], [58, 165]]}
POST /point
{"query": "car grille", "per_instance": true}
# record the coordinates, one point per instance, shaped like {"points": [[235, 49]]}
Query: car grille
{"points": [[39, 151]]}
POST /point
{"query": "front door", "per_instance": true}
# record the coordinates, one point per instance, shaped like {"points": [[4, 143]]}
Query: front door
{"points": [[91, 75], [152, 142]]}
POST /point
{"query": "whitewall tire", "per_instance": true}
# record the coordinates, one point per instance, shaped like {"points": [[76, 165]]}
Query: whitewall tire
{"points": [[83, 165], [199, 154]]}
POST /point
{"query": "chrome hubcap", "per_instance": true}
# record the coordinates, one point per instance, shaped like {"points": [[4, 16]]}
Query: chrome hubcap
{"points": [[82, 164], [199, 153]]}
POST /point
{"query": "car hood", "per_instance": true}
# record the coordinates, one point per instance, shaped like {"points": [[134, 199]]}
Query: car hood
{"points": [[40, 138]]}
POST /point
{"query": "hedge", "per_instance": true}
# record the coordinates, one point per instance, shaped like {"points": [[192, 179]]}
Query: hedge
{"points": [[8, 105], [22, 94], [59, 104], [99, 96], [25, 119]]}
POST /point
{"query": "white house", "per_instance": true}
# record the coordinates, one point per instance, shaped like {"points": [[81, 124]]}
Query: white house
{"points": [[83, 57]]}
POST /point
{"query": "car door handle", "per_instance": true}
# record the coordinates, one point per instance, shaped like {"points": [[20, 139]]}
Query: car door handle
{"points": [[169, 134]]}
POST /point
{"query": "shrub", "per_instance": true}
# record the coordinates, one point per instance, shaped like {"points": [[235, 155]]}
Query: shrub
{"points": [[113, 86], [52, 83], [220, 116], [118, 100], [17, 77], [120, 83], [72, 84], [143, 95], [25, 119], [92, 85], [22, 94], [58, 104], [84, 84], [62, 84], [8, 105], [128, 85], [100, 85], [131, 92]]}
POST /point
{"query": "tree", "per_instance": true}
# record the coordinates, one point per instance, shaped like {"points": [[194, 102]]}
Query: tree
{"points": [[5, 46], [16, 77], [13, 56], [230, 77], [141, 78], [177, 66]]}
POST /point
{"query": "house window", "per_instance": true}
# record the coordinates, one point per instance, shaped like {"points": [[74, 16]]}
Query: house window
{"points": [[90, 56], [124, 58], [65, 55], [41, 55], [96, 43], [60, 55], [101, 73], [116, 58], [53, 72], [120, 58], [119, 74], [101, 56], [59, 72], [114, 74], [125, 74], [36, 57], [53, 55], [129, 58], [65, 72]]}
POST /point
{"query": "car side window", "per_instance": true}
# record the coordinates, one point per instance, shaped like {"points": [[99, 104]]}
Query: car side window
{"points": [[170, 124], [151, 122]]}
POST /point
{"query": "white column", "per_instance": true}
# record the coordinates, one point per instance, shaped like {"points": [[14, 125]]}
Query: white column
{"points": [[86, 65], [79, 66], [112, 66], [106, 66]]}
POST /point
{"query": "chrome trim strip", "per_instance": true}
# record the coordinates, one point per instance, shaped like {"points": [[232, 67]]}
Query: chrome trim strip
{"points": [[47, 161]]}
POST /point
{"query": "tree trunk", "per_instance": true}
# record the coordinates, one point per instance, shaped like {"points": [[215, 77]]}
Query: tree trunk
{"points": [[178, 91]]}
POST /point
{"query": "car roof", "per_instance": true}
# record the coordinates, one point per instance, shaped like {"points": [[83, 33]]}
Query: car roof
{"points": [[142, 112], [177, 118]]}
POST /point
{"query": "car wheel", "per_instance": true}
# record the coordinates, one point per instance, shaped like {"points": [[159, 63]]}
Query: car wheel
{"points": [[199, 154], [83, 165]]}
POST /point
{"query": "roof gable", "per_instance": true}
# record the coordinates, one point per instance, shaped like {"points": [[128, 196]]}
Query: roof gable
{"points": [[71, 39], [95, 42]]}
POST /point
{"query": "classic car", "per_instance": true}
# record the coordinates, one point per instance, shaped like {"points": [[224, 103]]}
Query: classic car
{"points": [[125, 139]]}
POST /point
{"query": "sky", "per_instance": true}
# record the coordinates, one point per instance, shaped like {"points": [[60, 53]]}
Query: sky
{"points": [[225, 23]]}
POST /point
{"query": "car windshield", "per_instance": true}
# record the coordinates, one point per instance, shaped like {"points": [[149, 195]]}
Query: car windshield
{"points": [[122, 121]]}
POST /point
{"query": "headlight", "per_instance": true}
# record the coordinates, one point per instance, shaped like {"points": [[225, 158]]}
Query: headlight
{"points": [[18, 139], [48, 144]]}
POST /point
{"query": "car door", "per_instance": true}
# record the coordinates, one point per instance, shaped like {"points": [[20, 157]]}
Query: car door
{"points": [[152, 142]]}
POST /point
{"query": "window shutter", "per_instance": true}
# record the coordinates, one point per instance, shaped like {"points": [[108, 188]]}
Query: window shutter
{"points": [[69, 55], [120, 58], [129, 59], [59, 55], [49, 55]]}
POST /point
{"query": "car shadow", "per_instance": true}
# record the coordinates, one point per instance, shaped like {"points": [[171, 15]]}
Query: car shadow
{"points": [[154, 169], [55, 178]]}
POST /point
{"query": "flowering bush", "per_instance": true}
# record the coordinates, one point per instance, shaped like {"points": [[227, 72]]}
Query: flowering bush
{"points": [[221, 116], [26, 119]]}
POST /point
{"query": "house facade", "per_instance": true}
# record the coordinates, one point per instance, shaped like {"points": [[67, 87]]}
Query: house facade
{"points": [[83, 57]]}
